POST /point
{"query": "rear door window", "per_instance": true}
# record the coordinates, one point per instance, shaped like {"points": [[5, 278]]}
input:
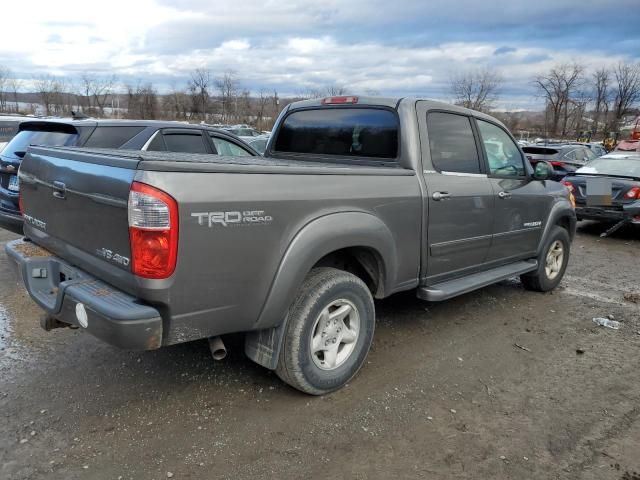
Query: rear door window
{"points": [[345, 132], [452, 144], [112, 137], [181, 142]]}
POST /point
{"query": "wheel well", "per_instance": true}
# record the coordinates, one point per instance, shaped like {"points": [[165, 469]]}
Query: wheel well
{"points": [[365, 263], [565, 222]]}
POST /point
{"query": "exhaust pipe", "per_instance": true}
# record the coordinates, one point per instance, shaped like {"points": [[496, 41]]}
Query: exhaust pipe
{"points": [[218, 350]]}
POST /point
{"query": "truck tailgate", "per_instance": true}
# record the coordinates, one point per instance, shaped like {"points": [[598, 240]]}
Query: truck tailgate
{"points": [[75, 205]]}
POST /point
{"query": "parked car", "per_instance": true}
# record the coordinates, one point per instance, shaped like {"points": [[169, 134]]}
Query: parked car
{"points": [[125, 134], [628, 146], [259, 143], [564, 158], [608, 189], [597, 148], [9, 125], [244, 131], [356, 198]]}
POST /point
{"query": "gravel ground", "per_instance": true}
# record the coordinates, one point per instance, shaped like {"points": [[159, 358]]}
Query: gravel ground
{"points": [[499, 383]]}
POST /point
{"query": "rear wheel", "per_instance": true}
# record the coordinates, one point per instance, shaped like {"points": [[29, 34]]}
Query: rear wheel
{"points": [[552, 262], [329, 332]]}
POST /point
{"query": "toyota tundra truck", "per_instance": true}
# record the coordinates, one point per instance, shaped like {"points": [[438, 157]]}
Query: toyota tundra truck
{"points": [[356, 198]]}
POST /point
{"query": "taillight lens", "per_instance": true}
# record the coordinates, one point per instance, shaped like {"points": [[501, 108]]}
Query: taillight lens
{"points": [[572, 192], [633, 192], [20, 206], [569, 186], [153, 231]]}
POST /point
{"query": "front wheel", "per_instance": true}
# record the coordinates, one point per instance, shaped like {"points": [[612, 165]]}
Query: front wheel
{"points": [[552, 262], [329, 332]]}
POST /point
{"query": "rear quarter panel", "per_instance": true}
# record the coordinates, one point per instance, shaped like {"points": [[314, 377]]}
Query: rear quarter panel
{"points": [[224, 272]]}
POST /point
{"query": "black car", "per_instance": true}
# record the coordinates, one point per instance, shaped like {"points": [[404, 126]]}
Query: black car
{"points": [[564, 158], [608, 189], [120, 134]]}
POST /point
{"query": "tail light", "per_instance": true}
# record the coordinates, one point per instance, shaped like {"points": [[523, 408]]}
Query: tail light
{"points": [[633, 193], [153, 231], [569, 186], [572, 192], [556, 163], [20, 206]]}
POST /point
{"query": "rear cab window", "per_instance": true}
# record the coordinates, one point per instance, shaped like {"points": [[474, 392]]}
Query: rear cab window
{"points": [[350, 134], [452, 143]]}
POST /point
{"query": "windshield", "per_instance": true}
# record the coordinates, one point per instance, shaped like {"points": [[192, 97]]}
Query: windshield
{"points": [[17, 147], [624, 167]]}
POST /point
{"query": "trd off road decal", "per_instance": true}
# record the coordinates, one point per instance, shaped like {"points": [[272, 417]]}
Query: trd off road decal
{"points": [[233, 218]]}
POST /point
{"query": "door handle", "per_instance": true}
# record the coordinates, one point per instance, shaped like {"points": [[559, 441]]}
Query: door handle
{"points": [[59, 190], [504, 195], [437, 196]]}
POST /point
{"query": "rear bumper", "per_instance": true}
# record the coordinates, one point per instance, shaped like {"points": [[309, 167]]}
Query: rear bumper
{"points": [[630, 213], [11, 221], [59, 288]]}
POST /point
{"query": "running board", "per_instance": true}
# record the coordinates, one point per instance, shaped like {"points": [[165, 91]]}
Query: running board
{"points": [[452, 288]]}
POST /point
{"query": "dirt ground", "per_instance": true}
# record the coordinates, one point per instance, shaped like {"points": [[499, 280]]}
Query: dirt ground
{"points": [[499, 383]]}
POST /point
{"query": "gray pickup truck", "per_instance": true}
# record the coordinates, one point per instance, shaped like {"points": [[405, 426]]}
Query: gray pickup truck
{"points": [[357, 198]]}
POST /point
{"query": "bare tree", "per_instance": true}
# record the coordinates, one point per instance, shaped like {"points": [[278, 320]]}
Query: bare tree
{"points": [[476, 90], [87, 86], [5, 74], [627, 89], [557, 88], [101, 89], [262, 103], [601, 79], [177, 104], [142, 101], [578, 108], [15, 85], [44, 86], [199, 87], [335, 90], [228, 86]]}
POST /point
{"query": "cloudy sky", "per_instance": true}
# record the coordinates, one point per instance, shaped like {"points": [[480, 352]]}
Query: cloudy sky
{"points": [[390, 46]]}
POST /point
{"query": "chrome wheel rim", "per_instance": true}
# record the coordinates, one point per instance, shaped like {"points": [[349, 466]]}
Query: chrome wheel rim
{"points": [[553, 263], [334, 334]]}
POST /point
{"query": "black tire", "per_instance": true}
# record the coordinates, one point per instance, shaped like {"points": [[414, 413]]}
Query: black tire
{"points": [[538, 280], [320, 289]]}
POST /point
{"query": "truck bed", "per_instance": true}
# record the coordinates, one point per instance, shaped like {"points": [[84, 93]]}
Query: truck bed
{"points": [[75, 206], [195, 162]]}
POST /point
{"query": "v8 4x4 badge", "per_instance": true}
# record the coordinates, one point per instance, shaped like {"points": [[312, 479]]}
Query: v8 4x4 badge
{"points": [[233, 218]]}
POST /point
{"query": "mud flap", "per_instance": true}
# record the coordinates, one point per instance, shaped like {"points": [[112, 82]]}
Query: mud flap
{"points": [[263, 346]]}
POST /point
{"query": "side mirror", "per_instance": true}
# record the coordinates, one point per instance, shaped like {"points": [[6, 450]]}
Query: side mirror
{"points": [[543, 171]]}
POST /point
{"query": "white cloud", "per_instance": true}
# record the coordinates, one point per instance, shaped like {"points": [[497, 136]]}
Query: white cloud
{"points": [[290, 45]]}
